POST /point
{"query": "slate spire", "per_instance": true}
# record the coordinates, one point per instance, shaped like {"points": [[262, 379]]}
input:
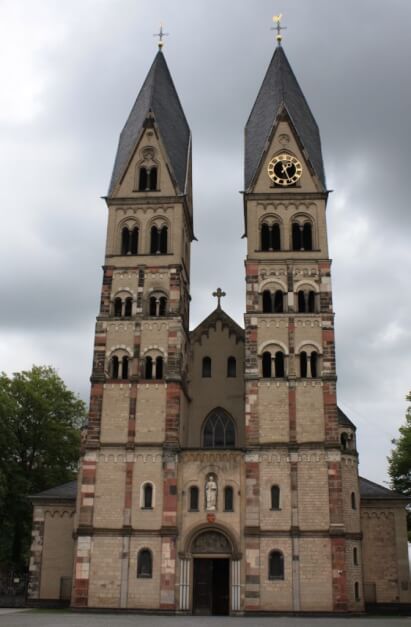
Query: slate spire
{"points": [[280, 91], [158, 98]]}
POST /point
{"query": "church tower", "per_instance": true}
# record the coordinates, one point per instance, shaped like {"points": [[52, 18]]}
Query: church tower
{"points": [[127, 489], [302, 528]]}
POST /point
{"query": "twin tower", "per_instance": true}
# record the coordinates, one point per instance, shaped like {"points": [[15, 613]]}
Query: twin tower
{"points": [[217, 474]]}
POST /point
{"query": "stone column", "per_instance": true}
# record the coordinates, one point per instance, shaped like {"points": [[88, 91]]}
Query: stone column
{"points": [[184, 602], [235, 585]]}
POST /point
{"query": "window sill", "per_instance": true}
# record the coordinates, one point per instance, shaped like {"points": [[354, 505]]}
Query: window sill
{"points": [[275, 509], [144, 576], [147, 508], [276, 579]]}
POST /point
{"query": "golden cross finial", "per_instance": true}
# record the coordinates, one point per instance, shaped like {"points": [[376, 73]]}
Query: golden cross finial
{"points": [[219, 295], [277, 21], [161, 34]]}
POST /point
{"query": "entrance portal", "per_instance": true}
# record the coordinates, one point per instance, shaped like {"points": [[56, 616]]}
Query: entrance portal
{"points": [[211, 586]]}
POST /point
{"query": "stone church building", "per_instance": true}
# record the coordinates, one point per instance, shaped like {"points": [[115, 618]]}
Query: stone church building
{"points": [[217, 474]]}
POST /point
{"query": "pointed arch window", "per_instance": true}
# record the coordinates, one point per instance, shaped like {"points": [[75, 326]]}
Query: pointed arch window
{"points": [[219, 431], [276, 565], [145, 564]]}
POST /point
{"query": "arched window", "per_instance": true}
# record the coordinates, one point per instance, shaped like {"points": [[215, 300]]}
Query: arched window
{"points": [[228, 499], [303, 364], [128, 307], [158, 305], [279, 364], [344, 441], [314, 364], [275, 497], [231, 367], [144, 564], [194, 500], [275, 237], [311, 301], [301, 301], [118, 307], [134, 241], [267, 370], [154, 241], [115, 367], [296, 235], [302, 236], [265, 237], [353, 501], [278, 302], [124, 367], [148, 496], [267, 302], [159, 367], [158, 240], [148, 370], [357, 591], [206, 367], [143, 180], [355, 556], [307, 236], [219, 431], [125, 241], [163, 240], [162, 306], [276, 565], [270, 237], [153, 306]]}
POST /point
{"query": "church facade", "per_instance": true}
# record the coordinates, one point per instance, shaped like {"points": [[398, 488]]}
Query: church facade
{"points": [[218, 475]]}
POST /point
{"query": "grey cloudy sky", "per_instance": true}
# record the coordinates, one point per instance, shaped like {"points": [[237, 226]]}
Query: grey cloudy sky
{"points": [[69, 74]]}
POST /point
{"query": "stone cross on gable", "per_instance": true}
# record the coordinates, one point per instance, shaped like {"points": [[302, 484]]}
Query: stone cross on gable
{"points": [[219, 294]]}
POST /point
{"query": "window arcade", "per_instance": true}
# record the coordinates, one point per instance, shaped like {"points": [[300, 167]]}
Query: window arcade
{"points": [[158, 240], [302, 236], [129, 240], [270, 237]]}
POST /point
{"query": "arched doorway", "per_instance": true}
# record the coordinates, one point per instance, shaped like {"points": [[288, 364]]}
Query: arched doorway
{"points": [[212, 552]]}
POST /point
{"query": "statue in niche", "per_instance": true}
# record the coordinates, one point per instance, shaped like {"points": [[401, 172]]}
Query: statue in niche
{"points": [[211, 494]]}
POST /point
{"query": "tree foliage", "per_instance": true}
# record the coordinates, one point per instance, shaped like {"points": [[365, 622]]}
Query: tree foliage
{"points": [[39, 448], [399, 462]]}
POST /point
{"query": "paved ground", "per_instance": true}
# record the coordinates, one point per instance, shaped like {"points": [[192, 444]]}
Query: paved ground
{"points": [[67, 619]]}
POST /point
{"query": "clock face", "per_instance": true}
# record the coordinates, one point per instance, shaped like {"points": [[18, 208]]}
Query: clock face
{"points": [[284, 169]]}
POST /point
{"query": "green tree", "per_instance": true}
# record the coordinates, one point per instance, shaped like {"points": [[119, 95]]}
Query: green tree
{"points": [[39, 448], [399, 462]]}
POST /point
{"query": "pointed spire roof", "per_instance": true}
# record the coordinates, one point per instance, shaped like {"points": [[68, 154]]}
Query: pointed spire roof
{"points": [[157, 97], [280, 90]]}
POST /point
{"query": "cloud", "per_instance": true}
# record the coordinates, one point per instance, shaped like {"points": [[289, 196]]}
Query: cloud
{"points": [[70, 73]]}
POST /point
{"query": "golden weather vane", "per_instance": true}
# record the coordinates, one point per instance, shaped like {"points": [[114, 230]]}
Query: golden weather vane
{"points": [[161, 34], [277, 21]]}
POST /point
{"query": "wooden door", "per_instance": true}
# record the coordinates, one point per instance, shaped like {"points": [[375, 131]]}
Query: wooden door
{"points": [[203, 587]]}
